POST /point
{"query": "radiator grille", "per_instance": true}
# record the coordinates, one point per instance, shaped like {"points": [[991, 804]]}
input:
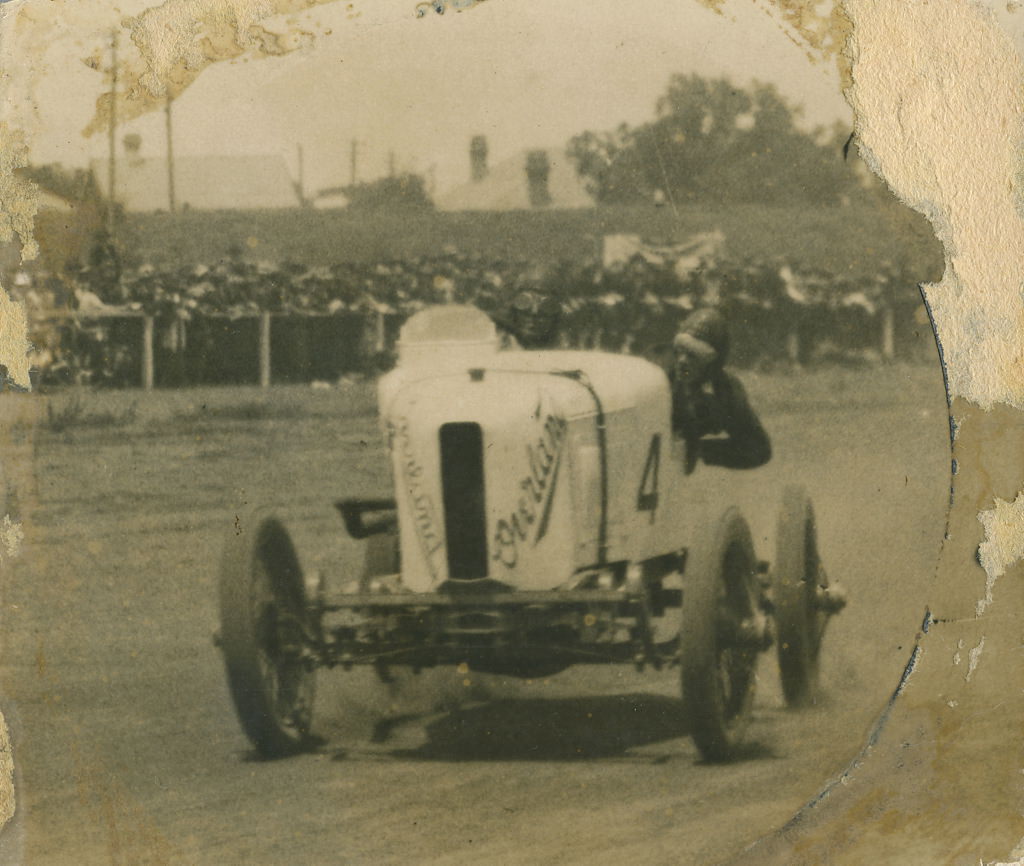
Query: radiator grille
{"points": [[462, 485]]}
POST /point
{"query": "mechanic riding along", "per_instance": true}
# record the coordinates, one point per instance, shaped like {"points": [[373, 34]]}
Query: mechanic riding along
{"points": [[540, 518]]}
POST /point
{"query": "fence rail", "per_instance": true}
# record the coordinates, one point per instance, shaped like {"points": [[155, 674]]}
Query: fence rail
{"points": [[366, 338], [267, 347]]}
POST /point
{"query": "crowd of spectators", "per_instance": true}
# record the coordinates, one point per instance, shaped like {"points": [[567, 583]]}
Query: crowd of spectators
{"points": [[633, 305]]}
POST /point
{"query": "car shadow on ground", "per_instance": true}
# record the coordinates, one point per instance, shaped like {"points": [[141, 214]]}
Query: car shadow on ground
{"points": [[551, 729], [538, 729]]}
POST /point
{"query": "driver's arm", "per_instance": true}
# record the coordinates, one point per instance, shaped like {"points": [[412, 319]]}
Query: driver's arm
{"points": [[746, 444]]}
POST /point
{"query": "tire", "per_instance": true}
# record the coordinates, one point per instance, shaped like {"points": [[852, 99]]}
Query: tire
{"points": [[718, 673], [795, 578], [263, 623]]}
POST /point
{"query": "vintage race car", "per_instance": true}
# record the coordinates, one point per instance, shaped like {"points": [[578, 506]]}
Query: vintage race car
{"points": [[539, 519]]}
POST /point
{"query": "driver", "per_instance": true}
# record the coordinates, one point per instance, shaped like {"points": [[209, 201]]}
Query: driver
{"points": [[533, 319], [710, 410]]}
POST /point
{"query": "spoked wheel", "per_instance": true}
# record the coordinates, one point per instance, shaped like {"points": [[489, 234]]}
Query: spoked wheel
{"points": [[718, 655], [264, 629], [798, 581]]}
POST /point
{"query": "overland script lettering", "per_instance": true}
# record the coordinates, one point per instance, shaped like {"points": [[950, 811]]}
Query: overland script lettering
{"points": [[538, 488]]}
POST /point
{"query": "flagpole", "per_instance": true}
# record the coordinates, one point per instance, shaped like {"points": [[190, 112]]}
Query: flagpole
{"points": [[171, 203], [111, 133]]}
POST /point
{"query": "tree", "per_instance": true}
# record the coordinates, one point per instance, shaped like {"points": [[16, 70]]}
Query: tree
{"points": [[403, 191], [73, 184], [711, 141]]}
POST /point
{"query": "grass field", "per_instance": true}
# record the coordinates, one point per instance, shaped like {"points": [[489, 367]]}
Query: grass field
{"points": [[76, 411], [844, 240]]}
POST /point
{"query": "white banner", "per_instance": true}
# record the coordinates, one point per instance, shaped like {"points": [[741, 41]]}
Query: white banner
{"points": [[685, 256]]}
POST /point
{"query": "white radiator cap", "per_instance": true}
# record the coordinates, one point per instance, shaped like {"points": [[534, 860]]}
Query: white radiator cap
{"points": [[454, 334]]}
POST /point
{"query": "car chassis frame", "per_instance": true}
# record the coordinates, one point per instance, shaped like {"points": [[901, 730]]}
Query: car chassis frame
{"points": [[604, 615]]}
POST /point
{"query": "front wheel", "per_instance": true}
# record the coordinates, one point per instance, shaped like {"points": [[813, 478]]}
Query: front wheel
{"points": [[718, 663], [264, 630]]}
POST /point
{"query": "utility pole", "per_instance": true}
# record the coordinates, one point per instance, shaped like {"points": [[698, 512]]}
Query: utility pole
{"points": [[302, 177], [354, 157], [171, 204], [112, 133]]}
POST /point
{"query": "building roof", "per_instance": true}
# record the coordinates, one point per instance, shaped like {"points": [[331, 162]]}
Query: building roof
{"points": [[505, 187], [201, 182]]}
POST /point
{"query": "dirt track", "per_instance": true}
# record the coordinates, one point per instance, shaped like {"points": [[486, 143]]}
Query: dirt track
{"points": [[127, 747]]}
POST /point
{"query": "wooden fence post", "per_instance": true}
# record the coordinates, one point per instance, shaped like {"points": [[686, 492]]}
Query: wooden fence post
{"points": [[264, 350], [147, 353]]}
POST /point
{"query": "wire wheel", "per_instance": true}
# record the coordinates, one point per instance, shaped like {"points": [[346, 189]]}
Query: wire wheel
{"points": [[718, 665], [796, 578], [264, 634]]}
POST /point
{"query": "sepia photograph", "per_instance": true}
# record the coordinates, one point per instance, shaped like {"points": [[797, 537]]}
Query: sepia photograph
{"points": [[455, 432]]}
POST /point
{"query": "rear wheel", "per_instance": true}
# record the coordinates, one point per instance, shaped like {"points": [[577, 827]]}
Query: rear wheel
{"points": [[264, 628], [797, 576], [718, 664]]}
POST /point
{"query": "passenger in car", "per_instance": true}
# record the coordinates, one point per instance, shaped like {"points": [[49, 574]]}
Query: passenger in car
{"points": [[710, 409]]}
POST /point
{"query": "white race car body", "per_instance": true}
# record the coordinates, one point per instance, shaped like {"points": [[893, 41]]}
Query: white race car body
{"points": [[525, 468], [537, 523]]}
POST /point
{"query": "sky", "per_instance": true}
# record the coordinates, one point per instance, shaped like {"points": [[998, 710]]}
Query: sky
{"points": [[529, 73]]}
